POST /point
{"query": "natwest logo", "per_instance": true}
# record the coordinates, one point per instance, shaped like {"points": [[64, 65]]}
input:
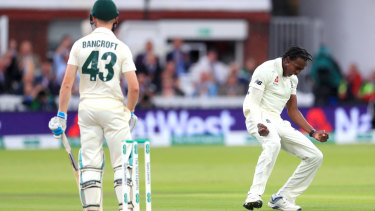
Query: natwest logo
{"points": [[183, 123]]}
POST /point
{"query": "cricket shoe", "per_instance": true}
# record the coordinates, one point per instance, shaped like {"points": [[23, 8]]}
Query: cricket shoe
{"points": [[280, 203], [253, 201]]}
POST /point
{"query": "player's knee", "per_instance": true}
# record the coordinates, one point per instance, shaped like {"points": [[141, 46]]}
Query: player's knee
{"points": [[317, 158], [273, 146], [271, 150]]}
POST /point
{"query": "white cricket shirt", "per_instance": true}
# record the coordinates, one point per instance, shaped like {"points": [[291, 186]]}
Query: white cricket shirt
{"points": [[276, 88], [101, 59]]}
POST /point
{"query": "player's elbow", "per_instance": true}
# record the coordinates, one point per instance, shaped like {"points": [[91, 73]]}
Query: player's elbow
{"points": [[66, 86], [292, 111], [134, 90]]}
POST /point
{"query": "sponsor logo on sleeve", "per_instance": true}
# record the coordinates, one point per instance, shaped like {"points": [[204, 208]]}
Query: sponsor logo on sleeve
{"points": [[258, 82]]}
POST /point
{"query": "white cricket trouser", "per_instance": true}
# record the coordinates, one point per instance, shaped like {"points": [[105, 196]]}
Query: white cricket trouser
{"points": [[283, 135], [95, 125]]}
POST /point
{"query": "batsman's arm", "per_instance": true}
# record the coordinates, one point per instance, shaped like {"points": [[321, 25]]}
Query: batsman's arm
{"points": [[66, 87], [133, 94], [133, 90]]}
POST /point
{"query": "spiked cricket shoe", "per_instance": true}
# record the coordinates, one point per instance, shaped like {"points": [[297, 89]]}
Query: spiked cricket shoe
{"points": [[280, 203], [253, 201]]}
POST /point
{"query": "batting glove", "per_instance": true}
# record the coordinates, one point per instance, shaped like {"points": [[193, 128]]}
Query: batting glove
{"points": [[133, 121], [57, 124]]}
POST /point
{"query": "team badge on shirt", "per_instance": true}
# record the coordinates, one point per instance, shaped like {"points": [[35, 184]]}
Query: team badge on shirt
{"points": [[276, 81]]}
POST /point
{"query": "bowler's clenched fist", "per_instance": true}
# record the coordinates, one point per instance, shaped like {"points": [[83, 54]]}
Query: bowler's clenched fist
{"points": [[321, 135], [262, 129]]}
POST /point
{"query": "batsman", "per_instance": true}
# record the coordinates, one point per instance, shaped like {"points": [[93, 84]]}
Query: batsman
{"points": [[101, 60], [273, 87]]}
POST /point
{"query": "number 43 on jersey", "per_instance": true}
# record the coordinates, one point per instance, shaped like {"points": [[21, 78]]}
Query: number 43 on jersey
{"points": [[91, 66]]}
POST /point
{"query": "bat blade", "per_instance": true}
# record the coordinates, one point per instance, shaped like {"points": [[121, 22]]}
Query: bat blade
{"points": [[73, 161]]}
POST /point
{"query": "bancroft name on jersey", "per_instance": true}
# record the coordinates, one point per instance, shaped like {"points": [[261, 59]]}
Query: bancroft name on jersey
{"points": [[99, 43]]}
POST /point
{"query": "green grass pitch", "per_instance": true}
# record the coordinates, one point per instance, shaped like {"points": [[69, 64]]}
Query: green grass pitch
{"points": [[192, 178]]}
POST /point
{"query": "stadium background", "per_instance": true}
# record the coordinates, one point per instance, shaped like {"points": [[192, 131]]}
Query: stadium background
{"points": [[254, 29], [202, 157]]}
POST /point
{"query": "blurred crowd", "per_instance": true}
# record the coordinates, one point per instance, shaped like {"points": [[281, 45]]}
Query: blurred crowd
{"points": [[179, 76], [23, 73], [332, 86]]}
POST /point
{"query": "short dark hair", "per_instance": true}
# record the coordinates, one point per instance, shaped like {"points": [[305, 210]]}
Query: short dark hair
{"points": [[297, 52]]}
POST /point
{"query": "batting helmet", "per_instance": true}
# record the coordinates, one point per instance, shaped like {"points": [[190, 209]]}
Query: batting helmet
{"points": [[104, 10]]}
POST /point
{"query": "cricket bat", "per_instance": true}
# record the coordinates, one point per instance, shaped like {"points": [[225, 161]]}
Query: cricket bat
{"points": [[73, 161]]}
